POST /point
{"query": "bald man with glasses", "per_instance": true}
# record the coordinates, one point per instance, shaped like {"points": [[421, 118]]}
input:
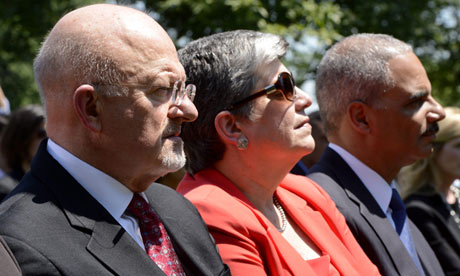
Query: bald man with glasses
{"points": [[115, 100]]}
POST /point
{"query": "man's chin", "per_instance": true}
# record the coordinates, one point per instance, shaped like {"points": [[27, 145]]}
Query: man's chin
{"points": [[173, 161], [422, 153]]}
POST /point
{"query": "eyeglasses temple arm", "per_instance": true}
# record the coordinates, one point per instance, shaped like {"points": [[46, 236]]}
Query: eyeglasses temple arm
{"points": [[267, 90]]}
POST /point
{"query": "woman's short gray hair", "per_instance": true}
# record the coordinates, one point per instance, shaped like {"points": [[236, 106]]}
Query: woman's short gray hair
{"points": [[355, 68], [224, 67]]}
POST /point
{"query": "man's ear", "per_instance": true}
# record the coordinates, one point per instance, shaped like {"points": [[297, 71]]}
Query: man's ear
{"points": [[227, 127], [358, 115], [87, 105]]}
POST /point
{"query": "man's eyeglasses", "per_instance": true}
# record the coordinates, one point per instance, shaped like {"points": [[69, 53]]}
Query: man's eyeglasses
{"points": [[284, 85], [179, 91], [175, 93]]}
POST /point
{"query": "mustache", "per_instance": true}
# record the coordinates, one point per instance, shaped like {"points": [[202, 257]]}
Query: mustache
{"points": [[434, 127], [171, 130]]}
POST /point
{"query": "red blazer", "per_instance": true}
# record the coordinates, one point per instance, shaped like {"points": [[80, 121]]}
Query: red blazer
{"points": [[251, 245]]}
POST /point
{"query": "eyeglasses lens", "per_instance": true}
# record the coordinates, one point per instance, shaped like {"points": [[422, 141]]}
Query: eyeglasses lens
{"points": [[287, 85], [190, 90], [177, 93]]}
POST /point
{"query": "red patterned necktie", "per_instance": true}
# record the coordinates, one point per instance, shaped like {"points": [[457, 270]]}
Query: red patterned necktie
{"points": [[156, 240]]}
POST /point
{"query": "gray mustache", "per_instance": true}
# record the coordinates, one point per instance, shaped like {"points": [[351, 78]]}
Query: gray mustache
{"points": [[433, 128], [171, 129]]}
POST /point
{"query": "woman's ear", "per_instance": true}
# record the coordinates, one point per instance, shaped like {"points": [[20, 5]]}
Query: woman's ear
{"points": [[227, 127], [358, 115], [87, 105]]}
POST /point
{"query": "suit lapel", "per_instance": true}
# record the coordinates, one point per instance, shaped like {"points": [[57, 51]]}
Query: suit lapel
{"points": [[114, 247], [311, 223], [371, 212], [189, 239], [109, 243], [424, 251]]}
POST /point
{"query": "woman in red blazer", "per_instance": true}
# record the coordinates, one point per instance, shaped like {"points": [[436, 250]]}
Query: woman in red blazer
{"points": [[251, 131]]}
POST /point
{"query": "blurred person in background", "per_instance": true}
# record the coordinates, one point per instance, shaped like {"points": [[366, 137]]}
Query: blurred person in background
{"points": [[4, 103], [21, 137], [432, 201], [251, 131], [319, 135], [6, 182]]}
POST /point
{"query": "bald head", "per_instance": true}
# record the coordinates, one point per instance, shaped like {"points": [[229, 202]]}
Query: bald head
{"points": [[103, 46], [89, 45]]}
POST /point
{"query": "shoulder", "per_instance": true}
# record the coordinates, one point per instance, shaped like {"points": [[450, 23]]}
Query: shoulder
{"points": [[168, 201], [223, 208], [420, 206], [305, 188], [29, 204], [422, 201]]}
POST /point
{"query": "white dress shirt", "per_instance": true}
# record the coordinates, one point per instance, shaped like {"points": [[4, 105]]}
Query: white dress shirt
{"points": [[110, 193], [382, 192], [375, 184]]}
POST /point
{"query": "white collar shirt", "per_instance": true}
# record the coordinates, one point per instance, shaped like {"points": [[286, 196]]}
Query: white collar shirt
{"points": [[375, 184], [110, 193]]}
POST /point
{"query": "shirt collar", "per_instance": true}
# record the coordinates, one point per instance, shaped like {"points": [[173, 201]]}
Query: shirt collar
{"points": [[110, 193], [375, 184]]}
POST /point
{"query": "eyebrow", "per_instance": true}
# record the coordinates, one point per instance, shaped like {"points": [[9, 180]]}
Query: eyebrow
{"points": [[419, 95]]}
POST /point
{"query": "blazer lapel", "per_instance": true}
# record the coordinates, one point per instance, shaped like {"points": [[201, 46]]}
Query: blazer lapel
{"points": [[114, 247], [390, 239], [109, 242], [372, 213], [313, 223], [189, 237], [294, 262], [424, 252]]}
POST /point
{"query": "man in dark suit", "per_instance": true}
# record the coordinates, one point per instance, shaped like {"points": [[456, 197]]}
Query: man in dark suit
{"points": [[375, 100], [115, 100]]}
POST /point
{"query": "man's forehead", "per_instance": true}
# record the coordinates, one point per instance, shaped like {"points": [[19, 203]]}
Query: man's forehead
{"points": [[169, 69]]}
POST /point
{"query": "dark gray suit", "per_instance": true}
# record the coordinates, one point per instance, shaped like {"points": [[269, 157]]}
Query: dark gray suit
{"points": [[368, 222], [54, 227]]}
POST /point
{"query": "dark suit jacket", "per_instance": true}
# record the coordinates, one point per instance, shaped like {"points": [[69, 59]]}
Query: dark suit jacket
{"points": [[432, 216], [7, 184], [54, 227], [8, 264], [368, 222]]}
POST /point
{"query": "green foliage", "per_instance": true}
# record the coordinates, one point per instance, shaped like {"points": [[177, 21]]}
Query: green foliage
{"points": [[23, 25], [431, 26], [294, 19]]}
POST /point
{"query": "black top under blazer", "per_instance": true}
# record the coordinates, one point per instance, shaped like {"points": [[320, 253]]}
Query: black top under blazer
{"points": [[55, 227], [368, 222]]}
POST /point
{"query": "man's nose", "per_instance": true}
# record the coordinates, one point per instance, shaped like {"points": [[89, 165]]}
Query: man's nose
{"points": [[186, 111], [436, 112]]}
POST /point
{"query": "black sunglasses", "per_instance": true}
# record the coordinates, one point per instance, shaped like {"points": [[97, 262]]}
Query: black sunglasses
{"points": [[285, 84]]}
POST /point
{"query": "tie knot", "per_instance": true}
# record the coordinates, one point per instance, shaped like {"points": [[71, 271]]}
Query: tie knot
{"points": [[139, 207], [396, 203], [398, 211]]}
